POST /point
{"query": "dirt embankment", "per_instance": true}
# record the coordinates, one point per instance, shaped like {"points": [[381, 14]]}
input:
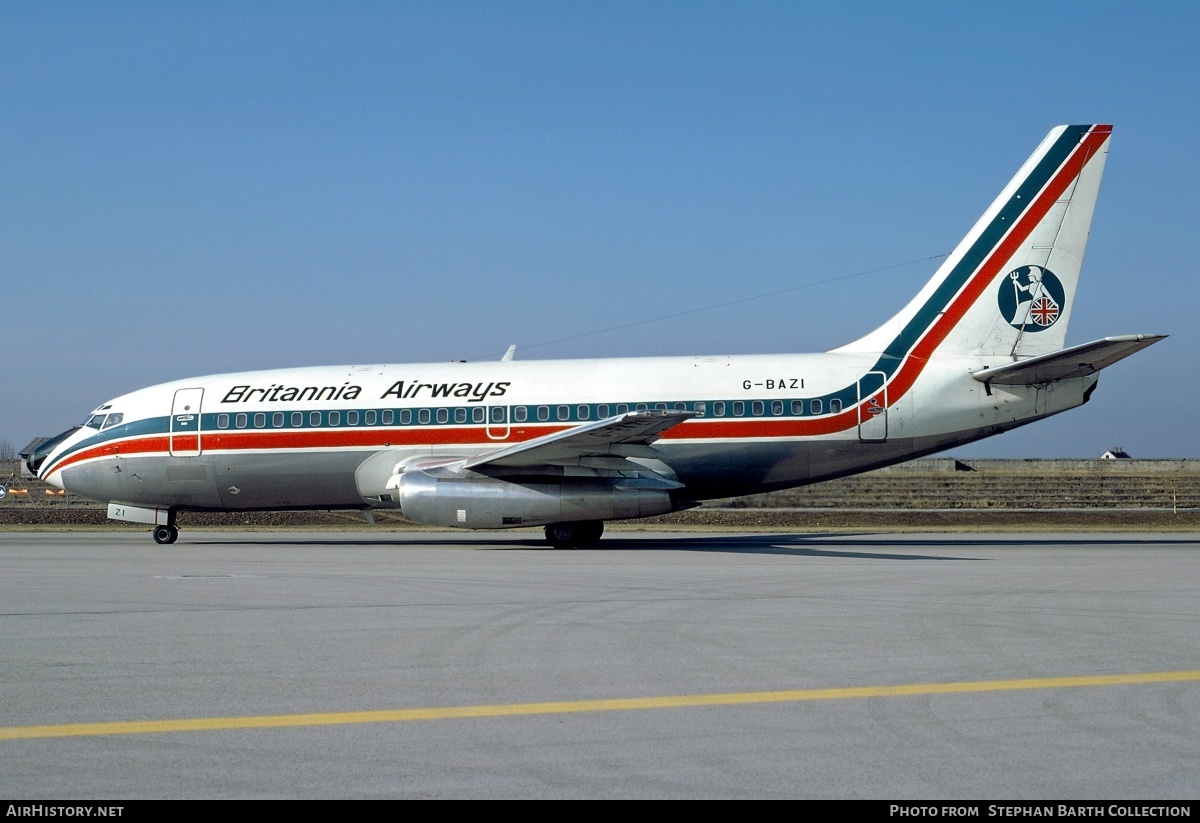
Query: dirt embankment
{"points": [[703, 518], [940, 494]]}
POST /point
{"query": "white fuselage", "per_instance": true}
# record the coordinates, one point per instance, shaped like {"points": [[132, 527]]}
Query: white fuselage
{"points": [[294, 438]]}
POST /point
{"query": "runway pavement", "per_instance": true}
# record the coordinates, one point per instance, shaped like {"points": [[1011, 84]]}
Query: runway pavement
{"points": [[462, 665]]}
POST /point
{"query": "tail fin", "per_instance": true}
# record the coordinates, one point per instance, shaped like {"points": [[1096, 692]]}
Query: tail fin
{"points": [[1009, 287]]}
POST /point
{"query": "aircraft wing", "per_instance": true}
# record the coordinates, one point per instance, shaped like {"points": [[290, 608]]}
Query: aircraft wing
{"points": [[1077, 361], [599, 443]]}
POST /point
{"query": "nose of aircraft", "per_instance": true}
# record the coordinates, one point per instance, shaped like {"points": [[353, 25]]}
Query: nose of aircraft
{"points": [[35, 453]]}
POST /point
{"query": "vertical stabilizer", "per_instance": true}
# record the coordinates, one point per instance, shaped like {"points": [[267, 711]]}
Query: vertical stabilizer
{"points": [[1009, 287]]}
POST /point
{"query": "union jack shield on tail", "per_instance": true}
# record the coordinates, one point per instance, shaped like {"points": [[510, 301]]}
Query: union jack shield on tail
{"points": [[1044, 311]]}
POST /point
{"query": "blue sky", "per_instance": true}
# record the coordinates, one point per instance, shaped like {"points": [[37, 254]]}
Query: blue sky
{"points": [[191, 188]]}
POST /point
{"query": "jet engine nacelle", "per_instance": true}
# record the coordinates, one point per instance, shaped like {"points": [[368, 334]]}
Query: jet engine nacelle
{"points": [[481, 502]]}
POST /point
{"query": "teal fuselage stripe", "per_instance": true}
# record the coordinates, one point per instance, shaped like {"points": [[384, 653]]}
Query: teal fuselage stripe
{"points": [[136, 428]]}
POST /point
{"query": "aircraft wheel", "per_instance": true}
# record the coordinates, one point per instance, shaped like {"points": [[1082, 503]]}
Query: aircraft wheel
{"points": [[166, 534], [574, 535], [590, 532]]}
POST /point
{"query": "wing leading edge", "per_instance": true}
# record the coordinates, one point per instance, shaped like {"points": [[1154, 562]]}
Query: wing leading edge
{"points": [[601, 444]]}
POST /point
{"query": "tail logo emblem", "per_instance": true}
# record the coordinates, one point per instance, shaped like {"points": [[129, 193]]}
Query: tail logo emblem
{"points": [[1031, 298]]}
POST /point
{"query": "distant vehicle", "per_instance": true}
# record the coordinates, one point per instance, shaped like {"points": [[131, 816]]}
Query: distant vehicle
{"points": [[571, 444]]}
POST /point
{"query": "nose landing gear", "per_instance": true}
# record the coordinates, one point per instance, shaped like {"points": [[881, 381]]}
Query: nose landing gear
{"points": [[163, 519], [166, 534]]}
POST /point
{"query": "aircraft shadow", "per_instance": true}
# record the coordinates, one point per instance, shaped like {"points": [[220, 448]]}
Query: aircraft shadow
{"points": [[865, 546], [799, 545]]}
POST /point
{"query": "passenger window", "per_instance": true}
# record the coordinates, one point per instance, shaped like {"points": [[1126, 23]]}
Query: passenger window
{"points": [[835, 406], [460, 415], [369, 417], [817, 406], [602, 411], [222, 421], [277, 420], [622, 408], [776, 407], [405, 416], [260, 420], [297, 419], [660, 406], [583, 412], [757, 408], [335, 418], [719, 409], [739, 408], [797, 407], [314, 418], [477, 414], [443, 415], [641, 407], [520, 414], [497, 414], [543, 412], [389, 417], [423, 416], [351, 418], [701, 408], [240, 421], [564, 412]]}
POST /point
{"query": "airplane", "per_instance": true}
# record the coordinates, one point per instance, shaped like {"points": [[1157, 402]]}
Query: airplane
{"points": [[571, 444]]}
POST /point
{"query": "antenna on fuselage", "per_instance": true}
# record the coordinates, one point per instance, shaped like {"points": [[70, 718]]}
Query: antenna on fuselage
{"points": [[508, 355]]}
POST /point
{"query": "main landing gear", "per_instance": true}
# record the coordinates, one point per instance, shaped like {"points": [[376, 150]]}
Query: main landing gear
{"points": [[166, 534], [574, 535]]}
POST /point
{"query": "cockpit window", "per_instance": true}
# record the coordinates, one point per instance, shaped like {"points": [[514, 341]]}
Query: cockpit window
{"points": [[95, 421], [113, 420]]}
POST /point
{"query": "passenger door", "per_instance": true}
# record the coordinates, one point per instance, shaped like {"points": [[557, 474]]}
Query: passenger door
{"points": [[185, 423], [872, 407]]}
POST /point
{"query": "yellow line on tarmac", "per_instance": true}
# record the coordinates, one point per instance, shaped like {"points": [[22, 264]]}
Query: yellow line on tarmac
{"points": [[579, 706]]}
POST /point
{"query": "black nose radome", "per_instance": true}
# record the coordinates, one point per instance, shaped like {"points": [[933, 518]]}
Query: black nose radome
{"points": [[36, 452]]}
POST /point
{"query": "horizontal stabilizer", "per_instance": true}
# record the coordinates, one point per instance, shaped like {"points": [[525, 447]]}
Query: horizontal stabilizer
{"points": [[1077, 361], [626, 435]]}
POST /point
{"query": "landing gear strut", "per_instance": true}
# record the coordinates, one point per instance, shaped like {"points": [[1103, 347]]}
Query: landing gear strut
{"points": [[574, 535], [166, 534]]}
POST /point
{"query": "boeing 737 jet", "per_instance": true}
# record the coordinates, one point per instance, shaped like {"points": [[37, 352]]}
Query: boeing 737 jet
{"points": [[571, 444]]}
